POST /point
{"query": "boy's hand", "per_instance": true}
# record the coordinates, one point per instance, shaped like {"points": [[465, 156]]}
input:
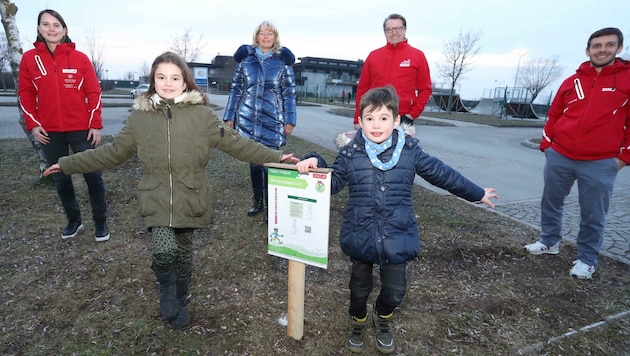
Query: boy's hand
{"points": [[303, 166], [489, 193]]}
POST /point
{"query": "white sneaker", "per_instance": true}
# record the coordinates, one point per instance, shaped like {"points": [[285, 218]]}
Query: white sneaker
{"points": [[581, 270], [539, 248]]}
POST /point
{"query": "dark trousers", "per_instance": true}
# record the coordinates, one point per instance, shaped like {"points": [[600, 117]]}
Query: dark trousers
{"points": [[258, 174], [259, 178], [59, 146], [393, 287]]}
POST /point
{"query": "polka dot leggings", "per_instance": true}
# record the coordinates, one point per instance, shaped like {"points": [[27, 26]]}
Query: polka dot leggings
{"points": [[172, 246]]}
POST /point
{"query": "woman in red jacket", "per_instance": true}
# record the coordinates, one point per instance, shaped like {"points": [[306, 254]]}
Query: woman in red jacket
{"points": [[61, 100]]}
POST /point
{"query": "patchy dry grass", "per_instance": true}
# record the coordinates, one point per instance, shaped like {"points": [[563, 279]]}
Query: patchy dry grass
{"points": [[472, 291]]}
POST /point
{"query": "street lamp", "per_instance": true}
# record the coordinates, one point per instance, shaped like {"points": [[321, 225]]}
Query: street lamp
{"points": [[520, 55]]}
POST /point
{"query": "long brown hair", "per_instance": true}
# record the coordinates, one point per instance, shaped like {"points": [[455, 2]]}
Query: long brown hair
{"points": [[176, 59]]}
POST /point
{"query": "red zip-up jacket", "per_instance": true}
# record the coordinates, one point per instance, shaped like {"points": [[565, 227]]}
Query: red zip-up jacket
{"points": [[60, 91], [403, 67], [589, 118]]}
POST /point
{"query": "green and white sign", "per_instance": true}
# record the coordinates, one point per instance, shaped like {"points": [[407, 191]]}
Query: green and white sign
{"points": [[299, 214]]}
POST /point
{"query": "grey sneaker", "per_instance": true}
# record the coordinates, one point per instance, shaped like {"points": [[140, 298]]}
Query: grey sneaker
{"points": [[355, 341], [581, 270], [539, 248], [383, 336]]}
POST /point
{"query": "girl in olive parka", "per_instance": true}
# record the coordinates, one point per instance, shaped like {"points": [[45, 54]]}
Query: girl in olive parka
{"points": [[172, 130]]}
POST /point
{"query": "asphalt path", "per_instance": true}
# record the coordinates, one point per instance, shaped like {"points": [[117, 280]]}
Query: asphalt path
{"points": [[487, 155]]}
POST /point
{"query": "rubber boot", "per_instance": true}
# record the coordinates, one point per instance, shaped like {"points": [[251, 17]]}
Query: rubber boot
{"points": [[259, 205], [183, 316], [169, 305]]}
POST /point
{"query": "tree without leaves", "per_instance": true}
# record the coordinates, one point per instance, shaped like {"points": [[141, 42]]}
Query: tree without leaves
{"points": [[5, 58], [145, 72], [184, 46], [129, 75], [95, 52], [8, 11], [458, 56], [538, 73]]}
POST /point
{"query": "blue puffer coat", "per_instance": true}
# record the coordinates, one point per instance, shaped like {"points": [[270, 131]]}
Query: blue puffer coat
{"points": [[262, 98], [379, 223]]}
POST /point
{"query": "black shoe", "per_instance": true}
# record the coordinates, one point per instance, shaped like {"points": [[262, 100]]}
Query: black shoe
{"points": [[258, 207], [101, 233], [73, 229]]}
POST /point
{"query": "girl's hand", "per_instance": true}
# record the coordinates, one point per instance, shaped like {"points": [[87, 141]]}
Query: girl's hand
{"points": [[289, 158], [52, 170], [489, 193], [303, 166]]}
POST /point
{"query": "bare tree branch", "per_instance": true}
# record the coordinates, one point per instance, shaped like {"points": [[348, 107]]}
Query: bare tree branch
{"points": [[458, 56], [5, 59], [95, 52], [538, 73], [184, 46]]}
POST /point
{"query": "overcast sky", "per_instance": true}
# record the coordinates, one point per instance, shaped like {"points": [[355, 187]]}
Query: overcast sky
{"points": [[134, 32]]}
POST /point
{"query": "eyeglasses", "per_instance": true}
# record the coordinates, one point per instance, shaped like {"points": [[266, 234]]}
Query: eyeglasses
{"points": [[394, 29], [263, 34]]}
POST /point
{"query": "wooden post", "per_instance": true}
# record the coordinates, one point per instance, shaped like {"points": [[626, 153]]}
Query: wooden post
{"points": [[295, 326]]}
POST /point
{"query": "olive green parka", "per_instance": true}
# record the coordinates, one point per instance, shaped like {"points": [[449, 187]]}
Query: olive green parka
{"points": [[173, 141]]}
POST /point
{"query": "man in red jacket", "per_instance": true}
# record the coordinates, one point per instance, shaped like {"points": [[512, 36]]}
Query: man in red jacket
{"points": [[400, 65], [586, 138]]}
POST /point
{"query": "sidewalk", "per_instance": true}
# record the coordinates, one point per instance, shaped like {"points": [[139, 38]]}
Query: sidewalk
{"points": [[616, 243]]}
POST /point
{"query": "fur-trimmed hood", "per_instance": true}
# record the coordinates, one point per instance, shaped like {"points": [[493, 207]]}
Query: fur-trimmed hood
{"points": [[150, 103], [344, 138], [244, 50]]}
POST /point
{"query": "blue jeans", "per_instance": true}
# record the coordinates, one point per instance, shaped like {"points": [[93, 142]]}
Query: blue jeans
{"points": [[59, 146], [393, 287], [595, 181]]}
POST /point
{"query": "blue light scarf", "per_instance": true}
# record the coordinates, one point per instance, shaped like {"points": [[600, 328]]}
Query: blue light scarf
{"points": [[374, 149], [262, 56]]}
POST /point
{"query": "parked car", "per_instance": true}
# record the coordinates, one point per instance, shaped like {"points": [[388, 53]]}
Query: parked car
{"points": [[139, 90]]}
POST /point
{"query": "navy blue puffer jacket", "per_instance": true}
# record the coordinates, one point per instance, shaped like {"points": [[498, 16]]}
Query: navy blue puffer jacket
{"points": [[379, 223], [262, 98]]}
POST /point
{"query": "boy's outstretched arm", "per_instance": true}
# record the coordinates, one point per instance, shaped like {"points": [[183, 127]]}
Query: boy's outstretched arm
{"points": [[489, 193], [304, 165]]}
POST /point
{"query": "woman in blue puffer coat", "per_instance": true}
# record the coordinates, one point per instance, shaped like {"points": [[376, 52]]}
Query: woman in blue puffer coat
{"points": [[262, 99]]}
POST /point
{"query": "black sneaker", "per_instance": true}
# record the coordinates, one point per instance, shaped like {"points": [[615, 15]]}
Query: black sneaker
{"points": [[73, 229], [383, 335], [355, 339], [101, 233]]}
